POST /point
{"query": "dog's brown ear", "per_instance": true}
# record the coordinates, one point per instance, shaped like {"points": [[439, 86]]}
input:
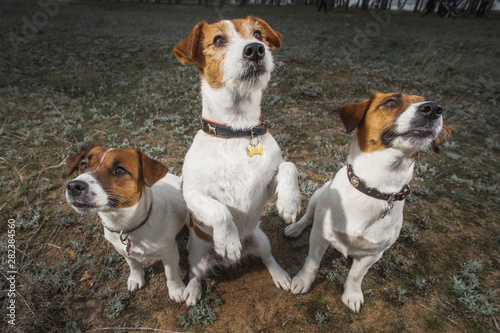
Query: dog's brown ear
{"points": [[73, 160], [189, 51], [272, 37], [352, 114], [152, 170], [444, 135]]}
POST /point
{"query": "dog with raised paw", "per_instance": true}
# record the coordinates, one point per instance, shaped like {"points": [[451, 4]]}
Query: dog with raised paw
{"points": [[140, 206], [234, 165], [360, 211]]}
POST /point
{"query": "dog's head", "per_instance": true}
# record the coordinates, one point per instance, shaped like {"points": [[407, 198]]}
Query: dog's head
{"points": [[110, 178], [404, 122], [231, 52]]}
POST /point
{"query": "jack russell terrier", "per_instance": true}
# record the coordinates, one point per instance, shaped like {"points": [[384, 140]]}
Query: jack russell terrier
{"points": [[140, 206], [360, 211], [234, 165]]}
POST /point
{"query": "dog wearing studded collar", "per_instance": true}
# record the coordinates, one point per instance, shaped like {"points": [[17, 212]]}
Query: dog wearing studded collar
{"points": [[140, 206], [360, 211], [233, 165]]}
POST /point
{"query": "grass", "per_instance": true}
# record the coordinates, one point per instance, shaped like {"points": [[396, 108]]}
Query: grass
{"points": [[202, 314], [104, 72]]}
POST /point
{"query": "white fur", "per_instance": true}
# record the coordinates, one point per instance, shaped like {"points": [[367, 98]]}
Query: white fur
{"points": [[155, 239], [351, 221], [225, 188]]}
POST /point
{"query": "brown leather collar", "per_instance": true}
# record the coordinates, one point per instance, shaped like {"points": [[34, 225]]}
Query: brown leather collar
{"points": [[225, 132], [373, 192], [195, 225], [126, 232]]}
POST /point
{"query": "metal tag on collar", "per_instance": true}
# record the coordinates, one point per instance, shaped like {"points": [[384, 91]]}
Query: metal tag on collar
{"points": [[254, 149], [390, 204], [126, 241]]}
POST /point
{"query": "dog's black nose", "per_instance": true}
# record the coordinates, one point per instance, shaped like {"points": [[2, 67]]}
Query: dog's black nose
{"points": [[76, 187], [431, 110], [254, 51]]}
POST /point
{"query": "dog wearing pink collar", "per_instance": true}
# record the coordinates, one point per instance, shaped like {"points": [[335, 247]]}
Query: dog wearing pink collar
{"points": [[140, 206], [360, 211]]}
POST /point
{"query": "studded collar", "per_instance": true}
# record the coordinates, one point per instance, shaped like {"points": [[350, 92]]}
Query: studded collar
{"points": [[373, 192]]}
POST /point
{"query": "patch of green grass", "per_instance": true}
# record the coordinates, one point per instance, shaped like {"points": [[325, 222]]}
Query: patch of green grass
{"points": [[202, 314], [321, 319], [388, 264], [469, 293], [408, 234], [117, 304], [308, 189]]}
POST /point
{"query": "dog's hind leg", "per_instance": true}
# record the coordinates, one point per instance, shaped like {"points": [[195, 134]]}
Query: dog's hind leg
{"points": [[258, 244], [294, 230], [353, 295]]}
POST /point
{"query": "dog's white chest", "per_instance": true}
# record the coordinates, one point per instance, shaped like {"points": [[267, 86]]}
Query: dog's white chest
{"points": [[223, 170], [225, 163], [353, 222], [132, 247]]}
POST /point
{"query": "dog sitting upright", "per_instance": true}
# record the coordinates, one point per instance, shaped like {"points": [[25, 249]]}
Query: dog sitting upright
{"points": [[234, 165], [360, 211], [140, 206]]}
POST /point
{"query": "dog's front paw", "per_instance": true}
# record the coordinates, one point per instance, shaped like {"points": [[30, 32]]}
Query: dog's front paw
{"points": [[228, 248], [353, 299], [282, 281], [302, 283], [136, 280], [288, 207], [176, 291], [192, 293], [294, 230]]}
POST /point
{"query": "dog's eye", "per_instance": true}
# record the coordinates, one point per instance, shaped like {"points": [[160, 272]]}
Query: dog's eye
{"points": [[390, 103], [257, 34], [119, 171], [219, 41], [83, 166]]}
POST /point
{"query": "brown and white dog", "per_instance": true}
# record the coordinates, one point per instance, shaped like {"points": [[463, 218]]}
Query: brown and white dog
{"points": [[234, 165], [360, 211], [140, 206]]}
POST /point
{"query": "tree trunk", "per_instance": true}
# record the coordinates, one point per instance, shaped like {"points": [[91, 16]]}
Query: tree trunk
{"points": [[364, 4], [488, 8]]}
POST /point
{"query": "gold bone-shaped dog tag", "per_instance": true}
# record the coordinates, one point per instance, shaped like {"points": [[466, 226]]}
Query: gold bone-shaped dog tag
{"points": [[253, 150]]}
